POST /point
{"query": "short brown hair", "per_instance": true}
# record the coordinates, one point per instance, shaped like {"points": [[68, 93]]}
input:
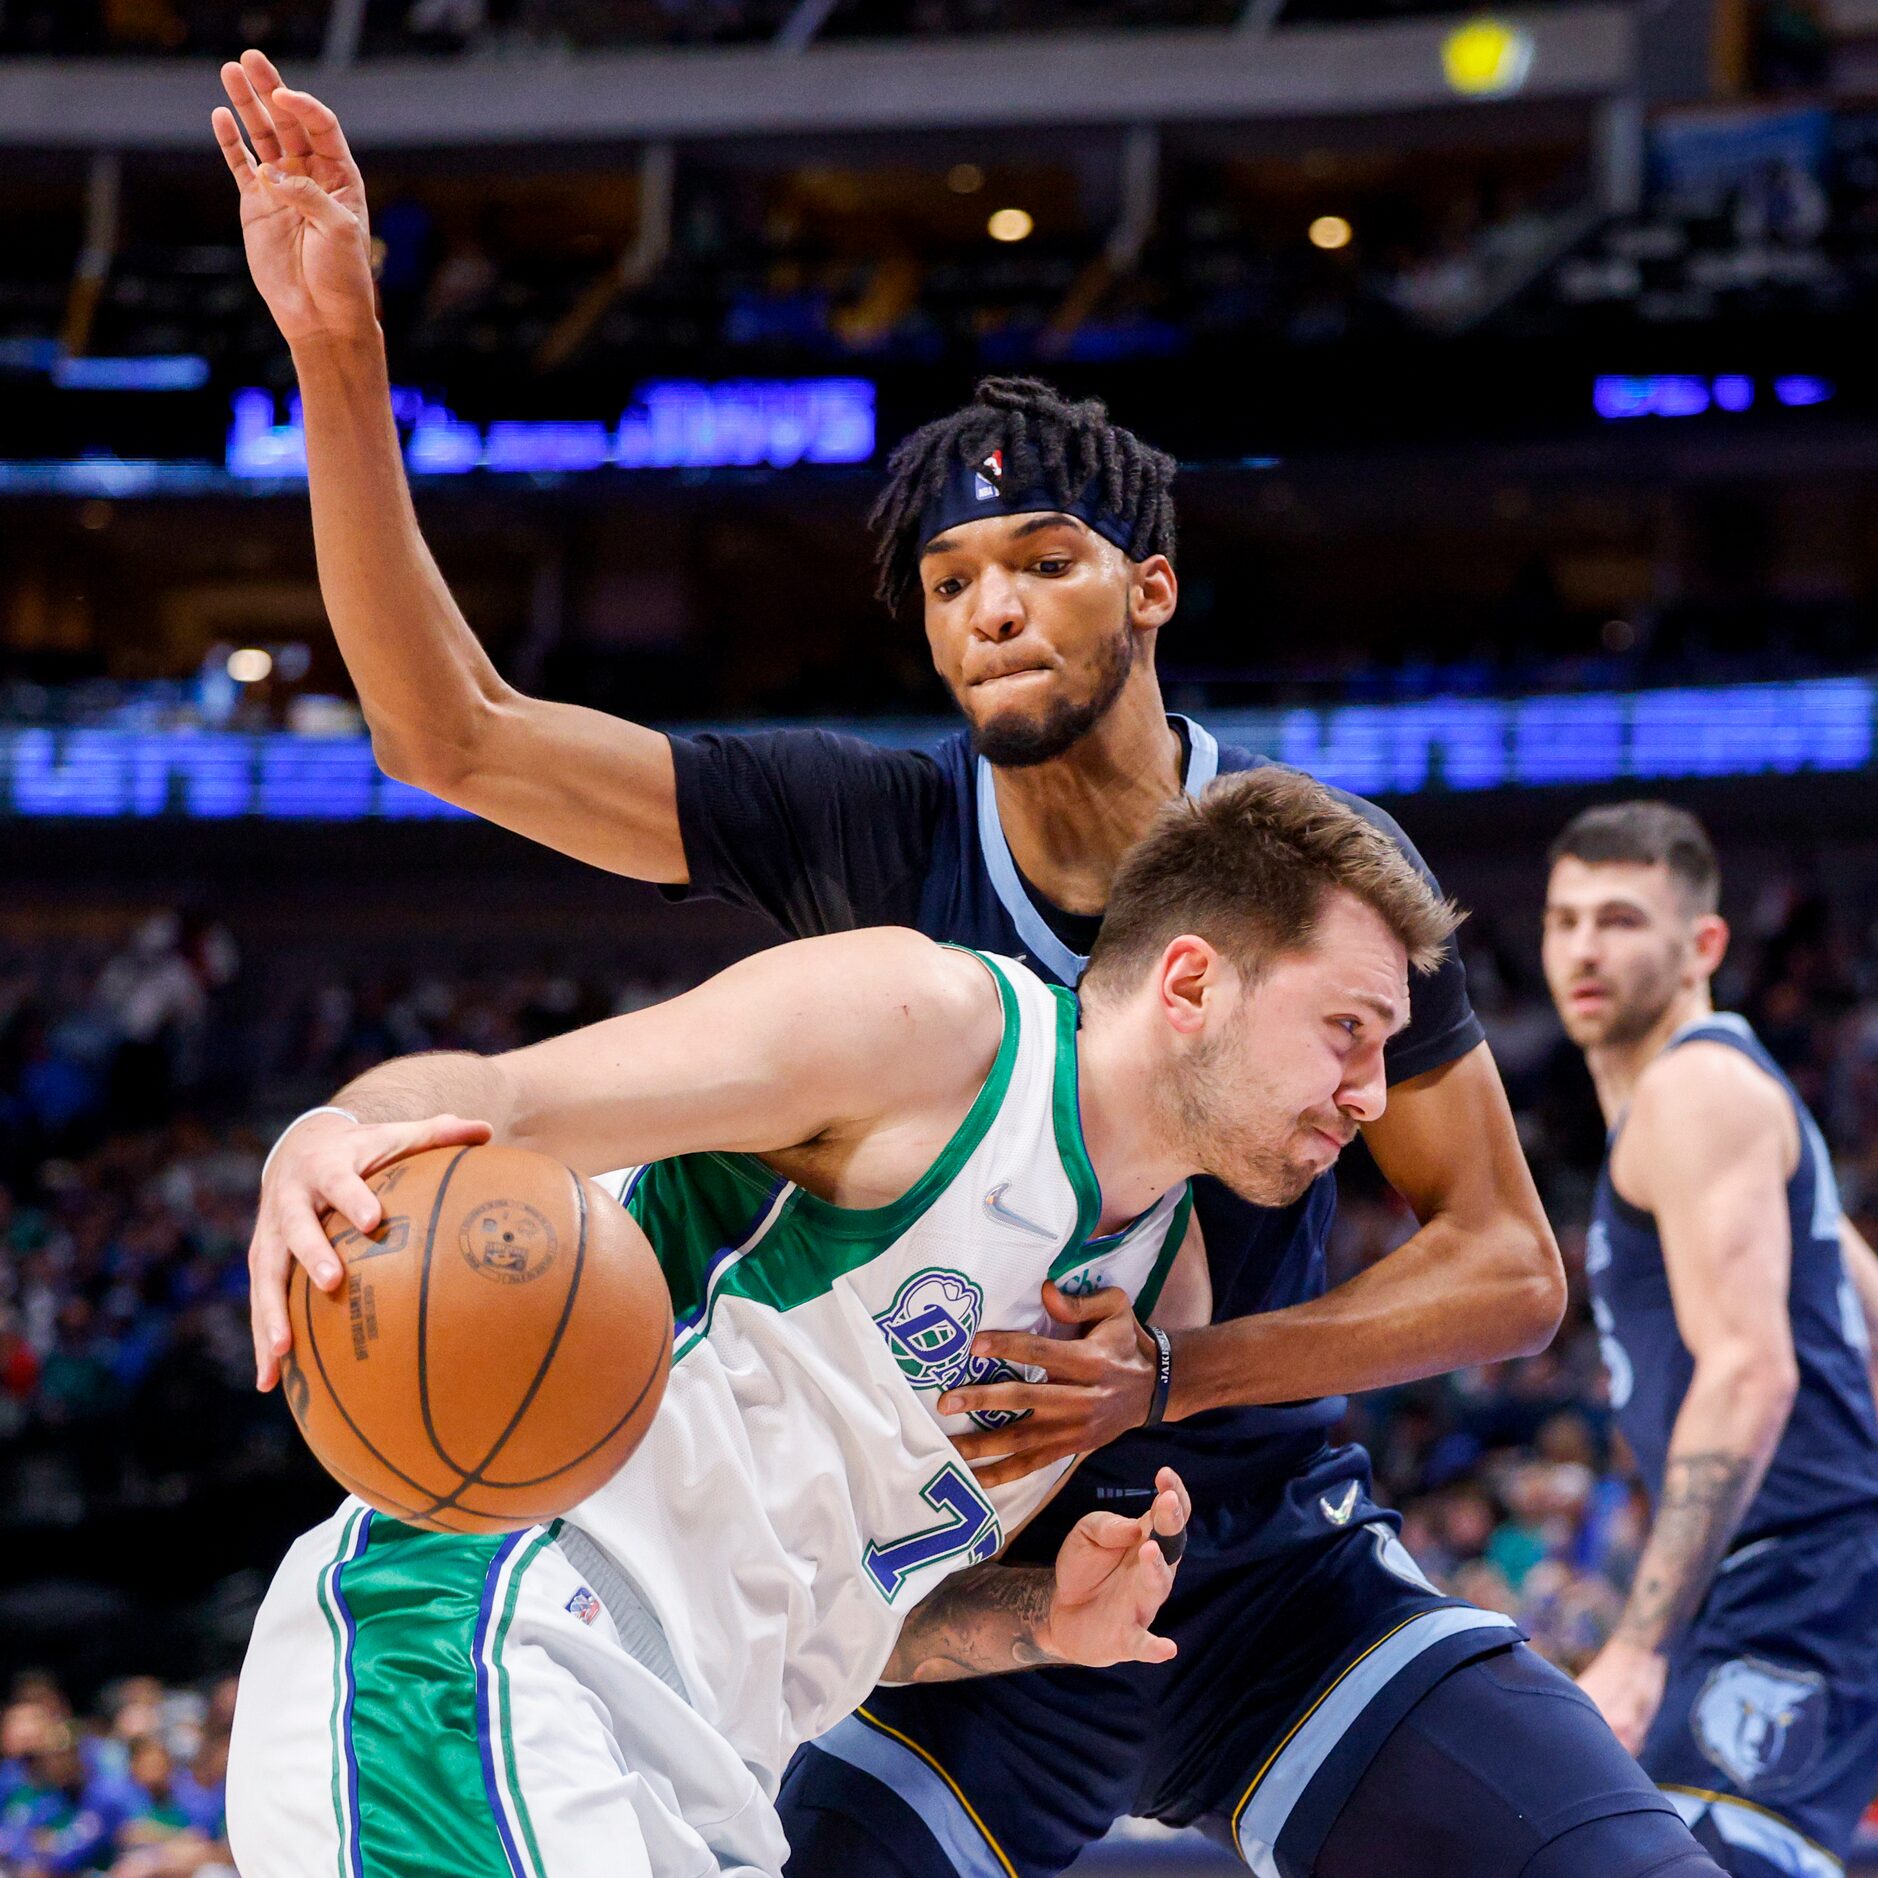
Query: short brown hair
{"points": [[1651, 834], [1248, 864]]}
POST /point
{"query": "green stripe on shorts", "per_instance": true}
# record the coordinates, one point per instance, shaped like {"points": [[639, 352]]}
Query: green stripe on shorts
{"points": [[415, 1598]]}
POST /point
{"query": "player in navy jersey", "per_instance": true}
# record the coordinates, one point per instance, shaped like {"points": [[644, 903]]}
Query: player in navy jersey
{"points": [[1731, 1300], [1331, 1713]]}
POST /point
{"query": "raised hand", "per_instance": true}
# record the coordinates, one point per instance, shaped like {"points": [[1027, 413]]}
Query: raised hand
{"points": [[303, 215]]}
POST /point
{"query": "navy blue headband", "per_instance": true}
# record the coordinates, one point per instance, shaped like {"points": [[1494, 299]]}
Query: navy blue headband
{"points": [[974, 491]]}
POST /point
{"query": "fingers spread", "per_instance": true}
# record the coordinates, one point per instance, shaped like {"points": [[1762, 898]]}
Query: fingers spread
{"points": [[1016, 1466], [316, 121], [354, 1199], [239, 159], [1046, 1353], [1110, 1301], [254, 113], [307, 1241], [265, 79], [1114, 1532]]}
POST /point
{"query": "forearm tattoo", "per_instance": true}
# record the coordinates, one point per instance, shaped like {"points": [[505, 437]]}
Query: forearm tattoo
{"points": [[1704, 1498], [980, 1622]]}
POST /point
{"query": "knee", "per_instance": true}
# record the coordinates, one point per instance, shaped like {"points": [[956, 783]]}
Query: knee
{"points": [[826, 1844], [1625, 1845]]}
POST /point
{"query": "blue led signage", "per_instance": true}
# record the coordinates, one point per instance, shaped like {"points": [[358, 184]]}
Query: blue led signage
{"points": [[1816, 725], [1676, 394], [670, 424]]}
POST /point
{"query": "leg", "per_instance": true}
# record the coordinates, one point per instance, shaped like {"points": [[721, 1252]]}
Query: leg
{"points": [[1503, 1770], [966, 1780], [418, 1702]]}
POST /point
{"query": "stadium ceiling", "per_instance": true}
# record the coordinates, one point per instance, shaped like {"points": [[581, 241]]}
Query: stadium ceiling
{"points": [[1227, 76]]}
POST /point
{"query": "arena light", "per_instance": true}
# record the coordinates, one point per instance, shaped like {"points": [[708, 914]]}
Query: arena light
{"points": [[965, 179], [250, 664], [1330, 232], [1486, 58], [1009, 224], [1620, 397]]}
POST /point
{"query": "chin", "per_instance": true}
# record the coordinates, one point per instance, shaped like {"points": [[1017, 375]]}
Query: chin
{"points": [[1277, 1187]]}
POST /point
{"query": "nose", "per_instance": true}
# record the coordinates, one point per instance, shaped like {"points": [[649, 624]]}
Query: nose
{"points": [[997, 613], [1364, 1091]]}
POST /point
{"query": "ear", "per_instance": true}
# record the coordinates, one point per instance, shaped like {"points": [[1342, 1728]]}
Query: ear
{"points": [[1710, 937], [1186, 980], [1153, 593]]}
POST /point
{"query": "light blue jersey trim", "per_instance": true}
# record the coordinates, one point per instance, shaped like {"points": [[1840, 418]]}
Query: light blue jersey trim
{"points": [[901, 1771], [1268, 1807], [1045, 947], [1756, 1831]]}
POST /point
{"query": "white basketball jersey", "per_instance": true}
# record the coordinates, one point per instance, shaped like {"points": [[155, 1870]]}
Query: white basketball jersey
{"points": [[798, 1493]]}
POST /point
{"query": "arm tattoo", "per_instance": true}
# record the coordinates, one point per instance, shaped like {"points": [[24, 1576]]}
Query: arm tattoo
{"points": [[980, 1622], [1704, 1498]]}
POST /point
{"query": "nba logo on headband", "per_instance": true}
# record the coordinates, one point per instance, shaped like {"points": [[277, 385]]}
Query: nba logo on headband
{"points": [[990, 475]]}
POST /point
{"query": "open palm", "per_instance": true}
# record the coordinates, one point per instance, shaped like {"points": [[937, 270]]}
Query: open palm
{"points": [[303, 214], [1112, 1578]]}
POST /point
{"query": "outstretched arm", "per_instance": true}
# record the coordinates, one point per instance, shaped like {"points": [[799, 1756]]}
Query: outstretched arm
{"points": [[1711, 1143], [817, 1040], [1481, 1280], [1111, 1577], [441, 716]]}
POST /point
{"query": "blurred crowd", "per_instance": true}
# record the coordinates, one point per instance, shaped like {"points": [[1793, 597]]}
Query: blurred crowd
{"points": [[135, 1790]]}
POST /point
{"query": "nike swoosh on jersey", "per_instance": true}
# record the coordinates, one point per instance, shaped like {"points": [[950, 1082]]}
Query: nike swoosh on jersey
{"points": [[1338, 1512], [1006, 1216]]}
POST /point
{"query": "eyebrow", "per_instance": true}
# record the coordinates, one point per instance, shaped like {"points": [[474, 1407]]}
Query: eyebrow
{"points": [[1055, 518], [1383, 1008]]}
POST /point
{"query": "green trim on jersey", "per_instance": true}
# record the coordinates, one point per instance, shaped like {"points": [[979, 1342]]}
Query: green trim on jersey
{"points": [[1150, 1293], [323, 1587], [729, 1224], [415, 1599], [1066, 1113]]}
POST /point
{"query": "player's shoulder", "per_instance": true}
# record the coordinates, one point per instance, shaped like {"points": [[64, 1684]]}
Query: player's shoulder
{"points": [[1704, 1098], [898, 976], [1234, 758]]}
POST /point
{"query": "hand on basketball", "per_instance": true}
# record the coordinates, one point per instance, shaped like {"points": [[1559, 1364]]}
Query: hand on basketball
{"points": [[1112, 1577], [1626, 1681], [321, 1166], [303, 216], [1096, 1386]]}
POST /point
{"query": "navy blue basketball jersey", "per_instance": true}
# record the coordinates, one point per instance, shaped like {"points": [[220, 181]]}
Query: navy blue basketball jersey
{"points": [[1827, 1460], [825, 833]]}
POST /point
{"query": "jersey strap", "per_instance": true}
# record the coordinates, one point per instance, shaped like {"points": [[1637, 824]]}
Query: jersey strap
{"points": [[1032, 927]]}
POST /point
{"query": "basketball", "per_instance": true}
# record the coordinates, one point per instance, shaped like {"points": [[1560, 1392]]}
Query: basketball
{"points": [[496, 1351]]}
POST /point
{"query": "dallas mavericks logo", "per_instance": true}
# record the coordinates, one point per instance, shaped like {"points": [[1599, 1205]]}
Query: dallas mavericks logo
{"points": [[929, 1327], [1760, 1725]]}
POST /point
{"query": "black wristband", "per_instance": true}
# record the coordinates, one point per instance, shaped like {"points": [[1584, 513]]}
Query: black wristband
{"points": [[1163, 1374]]}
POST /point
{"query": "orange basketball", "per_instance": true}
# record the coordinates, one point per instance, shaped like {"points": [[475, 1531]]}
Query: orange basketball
{"points": [[497, 1350]]}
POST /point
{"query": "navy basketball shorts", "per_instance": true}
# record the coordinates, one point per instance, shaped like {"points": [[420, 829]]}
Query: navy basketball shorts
{"points": [[1767, 1739], [1296, 1666]]}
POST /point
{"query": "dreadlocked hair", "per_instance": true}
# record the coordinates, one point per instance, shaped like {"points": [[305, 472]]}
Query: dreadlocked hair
{"points": [[1048, 442]]}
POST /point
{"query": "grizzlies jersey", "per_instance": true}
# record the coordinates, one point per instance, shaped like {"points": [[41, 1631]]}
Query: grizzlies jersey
{"points": [[1827, 1460], [798, 1491], [824, 833]]}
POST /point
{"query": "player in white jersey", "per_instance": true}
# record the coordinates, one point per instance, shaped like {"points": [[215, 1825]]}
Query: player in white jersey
{"points": [[853, 1153]]}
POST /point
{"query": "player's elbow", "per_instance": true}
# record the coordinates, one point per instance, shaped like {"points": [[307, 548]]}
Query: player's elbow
{"points": [[1533, 1290], [438, 756], [1758, 1374]]}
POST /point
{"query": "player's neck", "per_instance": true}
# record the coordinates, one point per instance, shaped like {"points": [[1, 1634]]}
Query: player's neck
{"points": [[1616, 1067], [1070, 821], [1135, 1163]]}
